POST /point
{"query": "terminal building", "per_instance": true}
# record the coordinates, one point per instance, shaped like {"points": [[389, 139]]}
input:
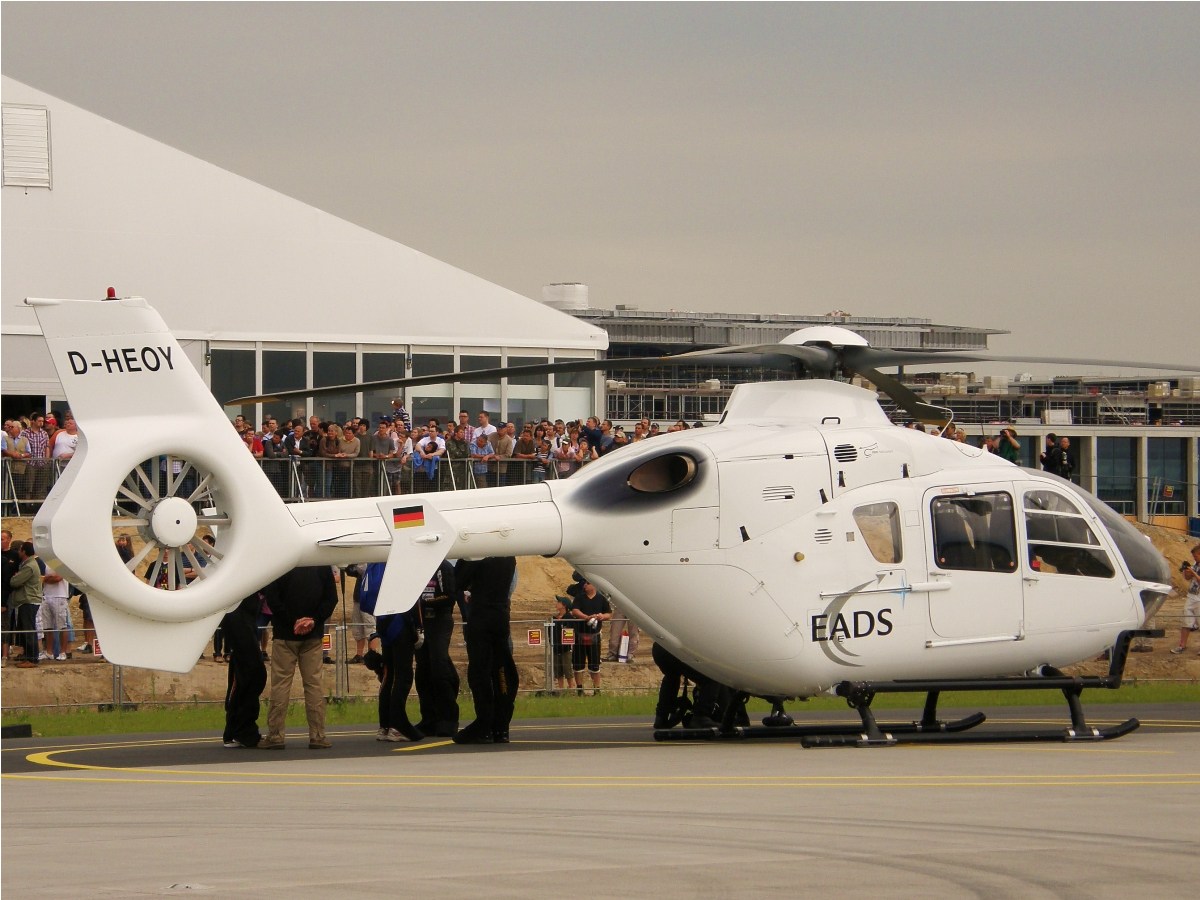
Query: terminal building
{"points": [[266, 294]]}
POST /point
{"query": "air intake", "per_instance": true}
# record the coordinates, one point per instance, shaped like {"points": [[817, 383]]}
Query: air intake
{"points": [[845, 453]]}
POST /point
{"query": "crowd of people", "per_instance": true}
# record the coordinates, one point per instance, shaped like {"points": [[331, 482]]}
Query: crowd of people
{"points": [[312, 458], [37, 623], [316, 458], [35, 448], [352, 458]]}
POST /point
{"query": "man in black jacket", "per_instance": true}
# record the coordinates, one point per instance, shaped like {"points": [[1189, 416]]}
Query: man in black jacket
{"points": [[437, 679], [301, 601], [247, 675], [491, 672]]}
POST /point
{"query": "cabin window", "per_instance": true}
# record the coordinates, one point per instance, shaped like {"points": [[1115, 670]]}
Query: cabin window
{"points": [[879, 524], [975, 533], [1061, 541]]}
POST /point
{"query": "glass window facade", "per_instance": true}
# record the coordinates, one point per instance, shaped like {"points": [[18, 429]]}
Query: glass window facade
{"points": [[284, 370], [521, 398], [471, 362], [332, 368], [530, 380], [379, 367], [432, 364], [425, 408], [574, 379], [1116, 473], [522, 411], [1166, 468], [232, 374]]}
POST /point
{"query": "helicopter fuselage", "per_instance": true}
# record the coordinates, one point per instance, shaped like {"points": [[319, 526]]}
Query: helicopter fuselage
{"points": [[784, 554]]}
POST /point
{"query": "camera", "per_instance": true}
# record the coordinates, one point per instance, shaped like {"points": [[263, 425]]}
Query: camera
{"points": [[1184, 566]]}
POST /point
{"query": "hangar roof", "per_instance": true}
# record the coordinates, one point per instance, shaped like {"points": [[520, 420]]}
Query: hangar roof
{"points": [[223, 257]]}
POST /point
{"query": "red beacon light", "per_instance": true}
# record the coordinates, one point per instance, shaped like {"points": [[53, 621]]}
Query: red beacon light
{"points": [[112, 294]]}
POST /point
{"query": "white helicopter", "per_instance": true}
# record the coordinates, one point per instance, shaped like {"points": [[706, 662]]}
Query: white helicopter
{"points": [[805, 545]]}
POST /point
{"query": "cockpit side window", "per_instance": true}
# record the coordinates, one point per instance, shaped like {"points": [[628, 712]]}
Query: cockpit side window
{"points": [[1061, 541], [880, 527], [976, 532]]}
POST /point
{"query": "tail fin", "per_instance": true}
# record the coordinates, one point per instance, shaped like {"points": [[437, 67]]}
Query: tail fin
{"points": [[154, 444]]}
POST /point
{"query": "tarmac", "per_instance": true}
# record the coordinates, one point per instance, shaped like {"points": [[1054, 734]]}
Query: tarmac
{"points": [[599, 808]]}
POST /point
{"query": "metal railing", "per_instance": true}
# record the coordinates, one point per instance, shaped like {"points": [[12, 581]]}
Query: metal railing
{"points": [[301, 480]]}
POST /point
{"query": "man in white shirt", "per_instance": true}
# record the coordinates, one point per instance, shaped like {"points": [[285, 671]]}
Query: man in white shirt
{"points": [[485, 427], [54, 615], [66, 440]]}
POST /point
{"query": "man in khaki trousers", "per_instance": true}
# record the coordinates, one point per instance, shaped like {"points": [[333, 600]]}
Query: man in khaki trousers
{"points": [[301, 601]]}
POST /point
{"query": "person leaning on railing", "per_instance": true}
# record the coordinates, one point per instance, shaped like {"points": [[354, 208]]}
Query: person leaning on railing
{"points": [[38, 465], [16, 451]]}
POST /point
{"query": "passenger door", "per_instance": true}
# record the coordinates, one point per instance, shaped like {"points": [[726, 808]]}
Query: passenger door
{"points": [[975, 589]]}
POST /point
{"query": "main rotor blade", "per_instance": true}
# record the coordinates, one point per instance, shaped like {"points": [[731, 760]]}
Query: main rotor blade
{"points": [[574, 365], [818, 360], [906, 399], [761, 354], [857, 357]]}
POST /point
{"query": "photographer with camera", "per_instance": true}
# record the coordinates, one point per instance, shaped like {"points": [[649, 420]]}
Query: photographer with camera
{"points": [[1191, 606], [1007, 445]]}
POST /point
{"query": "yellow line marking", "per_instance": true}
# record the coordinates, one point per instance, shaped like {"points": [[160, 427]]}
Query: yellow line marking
{"points": [[411, 747], [477, 780], [444, 781]]}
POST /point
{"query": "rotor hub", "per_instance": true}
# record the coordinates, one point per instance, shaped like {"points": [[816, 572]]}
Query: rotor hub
{"points": [[173, 522]]}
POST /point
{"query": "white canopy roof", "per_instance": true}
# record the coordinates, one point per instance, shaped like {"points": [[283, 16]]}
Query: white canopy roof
{"points": [[225, 258]]}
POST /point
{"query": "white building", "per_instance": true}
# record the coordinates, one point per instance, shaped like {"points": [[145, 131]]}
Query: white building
{"points": [[264, 292]]}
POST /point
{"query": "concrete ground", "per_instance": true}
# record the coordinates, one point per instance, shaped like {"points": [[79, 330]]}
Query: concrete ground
{"points": [[598, 808]]}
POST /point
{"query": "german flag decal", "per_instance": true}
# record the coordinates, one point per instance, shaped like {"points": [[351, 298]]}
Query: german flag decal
{"points": [[408, 517]]}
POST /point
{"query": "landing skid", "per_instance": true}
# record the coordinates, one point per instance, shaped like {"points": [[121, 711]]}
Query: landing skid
{"points": [[930, 729]]}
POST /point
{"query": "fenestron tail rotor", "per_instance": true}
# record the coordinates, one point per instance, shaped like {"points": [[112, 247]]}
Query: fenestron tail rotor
{"points": [[166, 506]]}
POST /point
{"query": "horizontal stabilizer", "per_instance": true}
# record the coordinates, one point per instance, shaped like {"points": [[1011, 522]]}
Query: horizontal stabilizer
{"points": [[421, 539], [129, 640]]}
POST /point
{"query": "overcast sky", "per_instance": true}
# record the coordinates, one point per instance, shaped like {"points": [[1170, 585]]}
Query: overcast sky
{"points": [[1028, 167]]}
